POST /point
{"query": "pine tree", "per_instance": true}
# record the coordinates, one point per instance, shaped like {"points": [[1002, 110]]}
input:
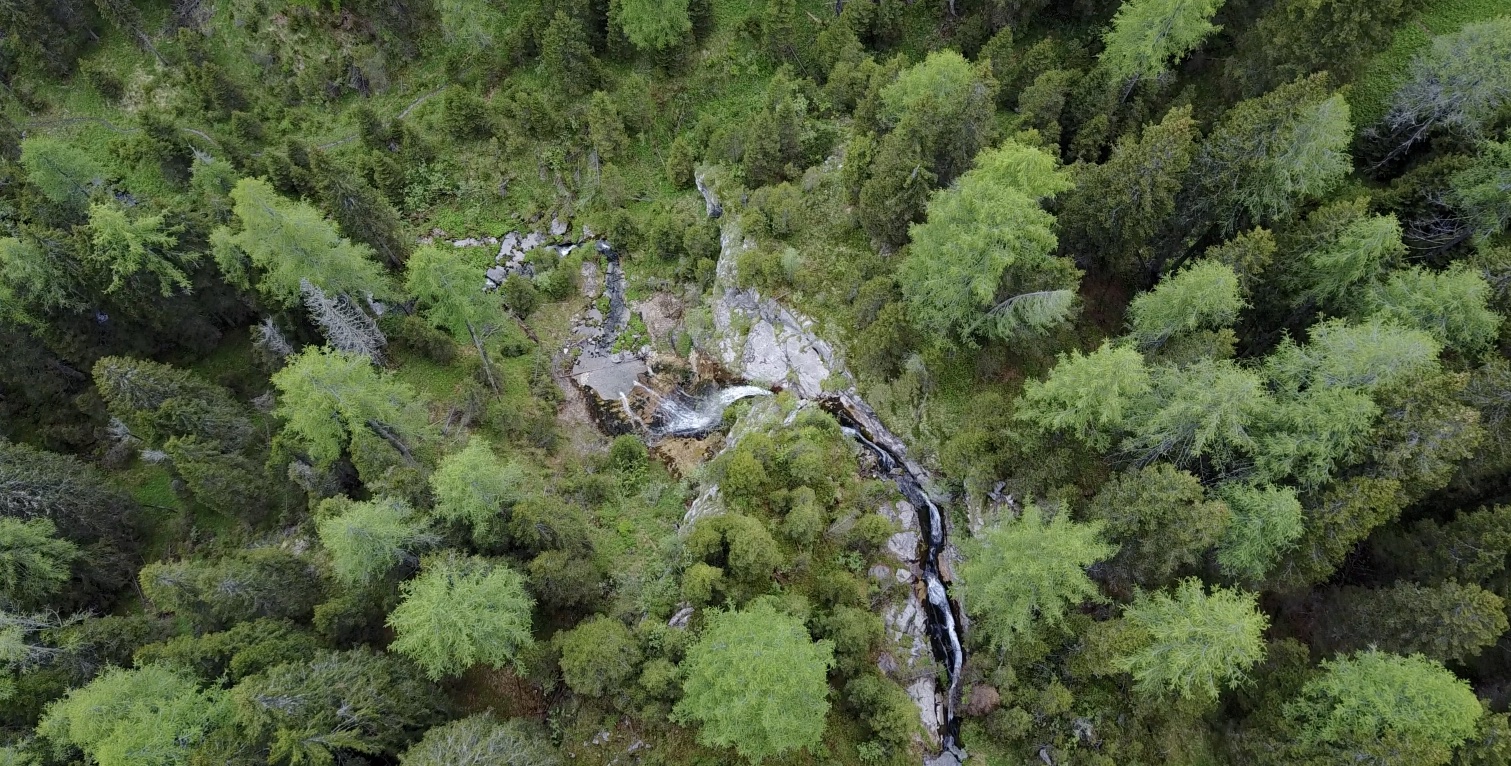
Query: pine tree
{"points": [[1447, 622], [461, 612], [1163, 520], [1028, 572], [986, 236], [756, 682], [361, 211], [565, 55], [1266, 522], [1196, 643]]}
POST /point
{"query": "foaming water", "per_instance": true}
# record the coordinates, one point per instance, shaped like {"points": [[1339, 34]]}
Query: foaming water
{"points": [[681, 415]]}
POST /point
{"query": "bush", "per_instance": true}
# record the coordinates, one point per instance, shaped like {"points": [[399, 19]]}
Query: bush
{"points": [[411, 333], [884, 707], [520, 295], [464, 115], [701, 583], [598, 656], [872, 532], [628, 453]]}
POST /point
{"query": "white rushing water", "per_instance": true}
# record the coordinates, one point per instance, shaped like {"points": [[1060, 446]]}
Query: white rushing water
{"points": [[677, 415]]}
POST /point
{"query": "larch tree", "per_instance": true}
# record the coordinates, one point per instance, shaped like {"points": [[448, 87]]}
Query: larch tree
{"points": [[1267, 520], [447, 290], [148, 716], [1478, 194], [1269, 154], [757, 682], [1366, 356], [1208, 409], [1196, 643], [481, 739], [289, 243], [34, 563], [473, 485], [34, 283], [1088, 395], [367, 539], [1148, 36], [326, 397], [1203, 296], [461, 611], [1451, 305], [983, 263], [1343, 249], [1385, 708], [128, 247], [1028, 572]]}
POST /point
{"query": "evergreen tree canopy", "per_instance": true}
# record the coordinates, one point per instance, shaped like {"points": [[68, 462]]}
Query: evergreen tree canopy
{"points": [[654, 25], [149, 716], [1266, 522], [367, 539], [62, 172], [130, 247], [1198, 643], [1028, 572], [1090, 396], [460, 612], [1149, 35], [987, 243], [757, 682]]}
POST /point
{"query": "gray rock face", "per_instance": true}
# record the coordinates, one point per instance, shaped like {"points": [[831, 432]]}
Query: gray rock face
{"points": [[780, 347]]}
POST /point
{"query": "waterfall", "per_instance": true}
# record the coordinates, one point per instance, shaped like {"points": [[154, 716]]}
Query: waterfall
{"points": [[681, 415]]}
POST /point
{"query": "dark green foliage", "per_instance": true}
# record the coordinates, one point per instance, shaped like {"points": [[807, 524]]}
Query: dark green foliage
{"points": [[335, 705], [598, 656], [245, 649], [158, 403], [264, 582], [76, 497], [1448, 622], [1163, 520], [359, 209]]}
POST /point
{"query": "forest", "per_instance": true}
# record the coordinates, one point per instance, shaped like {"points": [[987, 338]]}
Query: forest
{"points": [[794, 382]]}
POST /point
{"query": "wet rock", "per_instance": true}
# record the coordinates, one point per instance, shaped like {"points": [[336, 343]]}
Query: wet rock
{"points": [[662, 315], [680, 619], [710, 200], [497, 275], [558, 227], [592, 282]]}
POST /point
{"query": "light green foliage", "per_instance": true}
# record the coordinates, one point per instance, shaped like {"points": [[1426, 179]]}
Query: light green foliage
{"points": [[474, 484], [654, 25], [1209, 409], [323, 710], [939, 112], [33, 283], [1309, 435], [129, 247], [470, 24], [1346, 249], [327, 396], [756, 682], [460, 612], [288, 241], [1163, 520], [1369, 355], [1266, 522], [985, 238], [34, 562], [1412, 702], [1450, 305], [1089, 396], [943, 81], [62, 172], [1198, 643], [480, 740], [598, 656], [1204, 295], [1147, 36], [1271, 153], [1027, 571], [150, 716], [447, 288], [367, 539]]}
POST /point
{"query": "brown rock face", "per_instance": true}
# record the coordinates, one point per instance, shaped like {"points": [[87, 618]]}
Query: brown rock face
{"points": [[984, 699]]}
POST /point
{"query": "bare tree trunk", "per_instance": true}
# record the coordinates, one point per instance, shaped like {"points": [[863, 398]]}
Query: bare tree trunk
{"points": [[483, 355]]}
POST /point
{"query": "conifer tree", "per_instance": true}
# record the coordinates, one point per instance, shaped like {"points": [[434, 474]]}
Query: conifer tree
{"points": [[63, 173], [460, 612], [151, 714], [367, 539], [1450, 305], [128, 247], [598, 656], [34, 563], [473, 485], [327, 397], [1196, 643], [565, 55], [1458, 85], [1147, 36], [1089, 396], [1204, 295], [445, 287], [361, 211], [1384, 708], [1207, 410], [1266, 522], [987, 242], [1163, 520], [1028, 572], [654, 25], [480, 739], [1448, 622], [158, 402], [347, 328], [756, 682]]}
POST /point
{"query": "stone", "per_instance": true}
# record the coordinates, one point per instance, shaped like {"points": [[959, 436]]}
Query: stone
{"points": [[592, 282], [558, 227], [681, 618], [880, 573], [497, 275]]}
